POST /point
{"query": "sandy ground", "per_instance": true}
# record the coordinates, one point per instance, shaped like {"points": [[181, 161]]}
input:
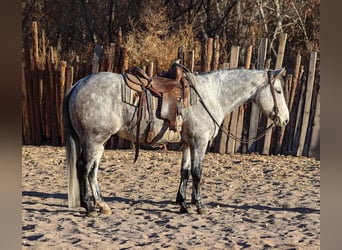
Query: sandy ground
{"points": [[255, 202]]}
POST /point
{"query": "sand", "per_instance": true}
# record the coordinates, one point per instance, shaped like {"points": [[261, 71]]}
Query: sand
{"points": [[254, 202]]}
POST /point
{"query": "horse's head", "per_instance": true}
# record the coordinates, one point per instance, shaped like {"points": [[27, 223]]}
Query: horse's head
{"points": [[271, 99]]}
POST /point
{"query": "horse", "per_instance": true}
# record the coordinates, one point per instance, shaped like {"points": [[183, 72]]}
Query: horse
{"points": [[93, 111]]}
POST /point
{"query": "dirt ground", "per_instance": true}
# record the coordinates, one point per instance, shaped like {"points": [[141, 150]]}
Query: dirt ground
{"points": [[254, 202]]}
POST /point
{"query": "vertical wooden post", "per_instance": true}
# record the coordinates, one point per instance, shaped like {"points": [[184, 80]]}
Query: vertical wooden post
{"points": [[207, 54], [295, 81], [307, 105], [223, 142], [119, 44], [294, 100], [314, 150], [281, 50], [181, 54], [123, 60], [35, 45], [191, 60], [27, 139], [279, 62], [298, 114], [254, 120], [111, 57], [68, 77], [244, 115], [216, 53], [185, 58], [98, 50], [37, 136], [63, 66], [149, 69], [52, 96], [249, 57], [234, 60], [28, 84]]}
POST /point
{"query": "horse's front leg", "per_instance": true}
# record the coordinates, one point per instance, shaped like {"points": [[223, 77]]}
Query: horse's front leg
{"points": [[197, 157], [185, 173]]}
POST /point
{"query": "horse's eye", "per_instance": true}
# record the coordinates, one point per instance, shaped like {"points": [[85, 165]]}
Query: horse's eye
{"points": [[278, 90]]}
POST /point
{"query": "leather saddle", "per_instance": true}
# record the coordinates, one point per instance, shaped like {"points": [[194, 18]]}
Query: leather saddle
{"points": [[170, 88]]}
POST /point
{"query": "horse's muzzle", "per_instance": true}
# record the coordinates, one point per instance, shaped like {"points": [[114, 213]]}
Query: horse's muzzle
{"points": [[279, 122]]}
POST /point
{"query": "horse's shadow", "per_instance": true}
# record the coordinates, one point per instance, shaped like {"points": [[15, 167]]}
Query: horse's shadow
{"points": [[302, 210], [164, 205], [44, 195]]}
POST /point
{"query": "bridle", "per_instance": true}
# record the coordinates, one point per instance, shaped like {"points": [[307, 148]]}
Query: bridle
{"points": [[271, 80]]}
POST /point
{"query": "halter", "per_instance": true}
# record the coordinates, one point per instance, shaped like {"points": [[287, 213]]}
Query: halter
{"points": [[271, 81]]}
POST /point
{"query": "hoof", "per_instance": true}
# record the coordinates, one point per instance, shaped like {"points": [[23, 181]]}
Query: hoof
{"points": [[92, 213], [202, 210], [104, 208], [185, 209]]}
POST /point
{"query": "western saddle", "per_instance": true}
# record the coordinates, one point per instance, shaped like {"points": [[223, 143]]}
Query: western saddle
{"points": [[172, 90]]}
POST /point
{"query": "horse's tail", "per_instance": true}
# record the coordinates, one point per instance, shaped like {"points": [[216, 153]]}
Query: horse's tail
{"points": [[72, 153]]}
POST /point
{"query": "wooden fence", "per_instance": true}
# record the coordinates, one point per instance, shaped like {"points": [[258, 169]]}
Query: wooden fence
{"points": [[46, 78]]}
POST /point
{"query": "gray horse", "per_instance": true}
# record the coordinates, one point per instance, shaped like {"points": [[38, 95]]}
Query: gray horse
{"points": [[93, 110]]}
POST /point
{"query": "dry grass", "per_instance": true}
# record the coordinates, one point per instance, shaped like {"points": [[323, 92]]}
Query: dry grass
{"points": [[154, 40]]}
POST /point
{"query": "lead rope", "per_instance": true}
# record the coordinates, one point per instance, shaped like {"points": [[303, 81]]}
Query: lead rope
{"points": [[227, 132]]}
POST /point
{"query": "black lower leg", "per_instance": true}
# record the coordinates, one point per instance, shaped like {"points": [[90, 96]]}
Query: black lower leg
{"points": [[84, 196], [196, 190], [181, 194]]}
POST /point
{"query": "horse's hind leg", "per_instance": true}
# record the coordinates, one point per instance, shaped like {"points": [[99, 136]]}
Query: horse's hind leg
{"points": [[185, 173], [83, 168], [98, 200], [87, 174]]}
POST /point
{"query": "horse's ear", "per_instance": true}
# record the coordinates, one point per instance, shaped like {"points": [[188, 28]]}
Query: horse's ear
{"points": [[279, 72]]}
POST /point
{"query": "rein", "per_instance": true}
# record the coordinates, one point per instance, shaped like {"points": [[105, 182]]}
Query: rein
{"points": [[230, 134]]}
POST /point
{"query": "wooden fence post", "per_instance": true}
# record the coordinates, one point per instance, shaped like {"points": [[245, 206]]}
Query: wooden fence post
{"points": [[118, 46], [27, 139], [243, 115], [249, 57], [123, 60], [181, 54], [314, 150], [191, 60], [68, 81], [216, 53], [37, 136], [222, 142], [111, 57], [207, 54], [98, 51], [149, 69], [234, 60], [278, 65], [60, 98], [254, 120], [307, 105], [298, 114], [293, 104]]}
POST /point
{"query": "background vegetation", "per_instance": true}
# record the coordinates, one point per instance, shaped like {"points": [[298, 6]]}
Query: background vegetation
{"points": [[153, 30]]}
